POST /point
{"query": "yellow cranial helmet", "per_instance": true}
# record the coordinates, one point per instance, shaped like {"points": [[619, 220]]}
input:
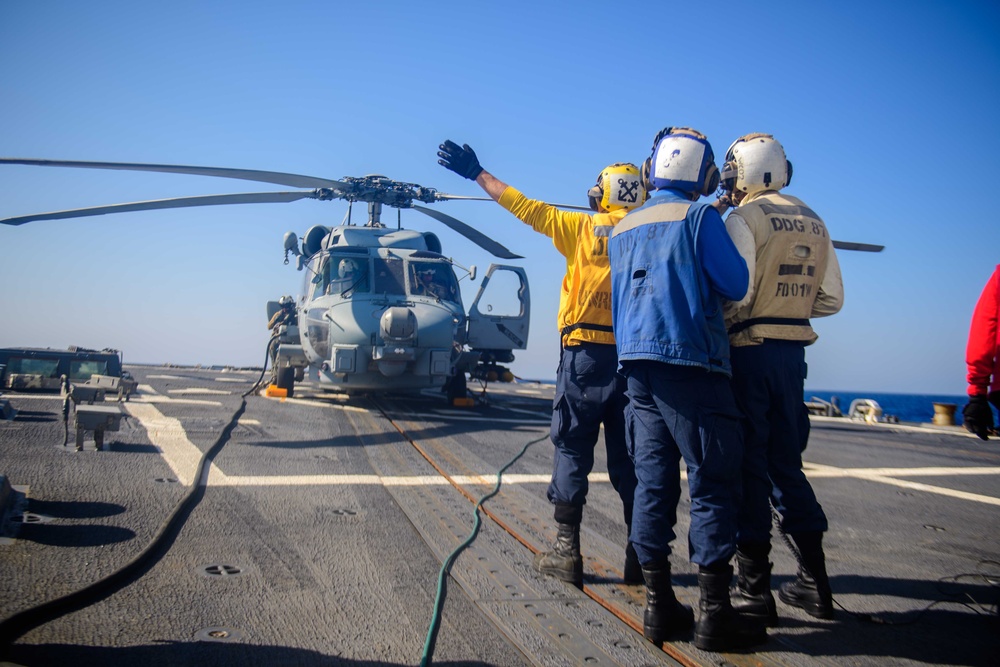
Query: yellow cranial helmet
{"points": [[618, 186]]}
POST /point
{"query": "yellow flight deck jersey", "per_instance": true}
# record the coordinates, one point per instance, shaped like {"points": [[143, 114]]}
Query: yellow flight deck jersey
{"points": [[582, 238]]}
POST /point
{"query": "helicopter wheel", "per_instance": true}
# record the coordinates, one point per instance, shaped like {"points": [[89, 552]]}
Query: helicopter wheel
{"points": [[457, 387], [286, 380]]}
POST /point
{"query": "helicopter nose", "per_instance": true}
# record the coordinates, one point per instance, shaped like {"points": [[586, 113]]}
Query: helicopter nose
{"points": [[398, 329]]}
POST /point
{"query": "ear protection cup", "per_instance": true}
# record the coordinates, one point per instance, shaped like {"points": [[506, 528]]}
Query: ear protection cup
{"points": [[711, 179], [594, 196], [647, 165], [729, 183], [788, 166]]}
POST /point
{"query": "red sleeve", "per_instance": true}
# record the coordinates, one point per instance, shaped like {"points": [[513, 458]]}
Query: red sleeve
{"points": [[981, 354]]}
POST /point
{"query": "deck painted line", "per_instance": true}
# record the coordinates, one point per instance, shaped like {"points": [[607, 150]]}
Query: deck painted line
{"points": [[167, 435], [877, 475], [147, 389], [196, 390], [469, 418], [375, 480], [321, 404], [816, 470], [176, 401], [927, 488], [165, 377]]}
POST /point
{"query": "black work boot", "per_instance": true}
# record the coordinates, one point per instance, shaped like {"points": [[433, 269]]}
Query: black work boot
{"points": [[665, 617], [810, 591], [633, 570], [564, 561], [753, 597], [719, 627]]}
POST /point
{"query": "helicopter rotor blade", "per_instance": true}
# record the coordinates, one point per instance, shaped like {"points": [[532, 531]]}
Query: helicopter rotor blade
{"points": [[477, 237], [573, 207], [441, 196], [275, 177], [179, 202], [863, 247]]}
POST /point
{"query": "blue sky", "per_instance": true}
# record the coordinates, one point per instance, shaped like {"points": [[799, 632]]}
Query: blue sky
{"points": [[887, 115]]}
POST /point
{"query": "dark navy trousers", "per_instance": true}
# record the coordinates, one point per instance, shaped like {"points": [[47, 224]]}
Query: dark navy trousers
{"points": [[768, 381], [589, 392], [684, 412]]}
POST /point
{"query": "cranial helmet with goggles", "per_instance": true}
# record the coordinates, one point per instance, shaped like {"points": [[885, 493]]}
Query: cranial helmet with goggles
{"points": [[286, 302], [755, 162], [619, 186], [682, 160]]}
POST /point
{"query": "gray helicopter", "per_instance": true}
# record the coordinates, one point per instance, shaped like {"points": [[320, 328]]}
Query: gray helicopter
{"points": [[380, 309]]}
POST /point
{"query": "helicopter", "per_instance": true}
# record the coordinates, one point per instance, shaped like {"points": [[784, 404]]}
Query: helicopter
{"points": [[380, 309]]}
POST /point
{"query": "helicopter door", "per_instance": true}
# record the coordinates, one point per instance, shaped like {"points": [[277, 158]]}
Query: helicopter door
{"points": [[498, 318]]}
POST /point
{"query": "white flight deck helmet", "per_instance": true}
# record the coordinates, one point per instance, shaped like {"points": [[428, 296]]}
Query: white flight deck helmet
{"points": [[347, 269], [755, 162], [286, 301]]}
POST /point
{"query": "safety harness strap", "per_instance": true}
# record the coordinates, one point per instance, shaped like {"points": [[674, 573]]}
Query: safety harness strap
{"points": [[753, 321], [565, 331]]}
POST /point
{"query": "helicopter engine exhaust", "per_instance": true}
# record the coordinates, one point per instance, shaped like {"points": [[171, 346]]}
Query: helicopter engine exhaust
{"points": [[398, 331]]}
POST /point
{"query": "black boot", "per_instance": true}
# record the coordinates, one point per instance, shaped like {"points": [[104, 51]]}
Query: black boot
{"points": [[719, 627], [633, 570], [753, 597], [564, 561], [665, 617], [810, 591]]}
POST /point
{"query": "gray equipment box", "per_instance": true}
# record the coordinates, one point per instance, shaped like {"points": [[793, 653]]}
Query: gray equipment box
{"points": [[96, 418]]}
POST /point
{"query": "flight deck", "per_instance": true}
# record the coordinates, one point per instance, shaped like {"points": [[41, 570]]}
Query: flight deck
{"points": [[315, 532]]}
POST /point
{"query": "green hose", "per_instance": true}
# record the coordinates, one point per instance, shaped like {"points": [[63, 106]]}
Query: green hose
{"points": [[446, 566]]}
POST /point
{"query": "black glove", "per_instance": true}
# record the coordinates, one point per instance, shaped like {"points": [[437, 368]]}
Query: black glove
{"points": [[977, 416], [460, 159]]}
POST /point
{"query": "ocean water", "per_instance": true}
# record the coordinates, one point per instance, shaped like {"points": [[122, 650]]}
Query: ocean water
{"points": [[917, 408], [906, 407]]}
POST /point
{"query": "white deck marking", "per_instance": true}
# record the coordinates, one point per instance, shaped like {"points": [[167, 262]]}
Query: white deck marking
{"points": [[196, 390], [176, 401], [164, 377], [167, 434], [879, 475]]}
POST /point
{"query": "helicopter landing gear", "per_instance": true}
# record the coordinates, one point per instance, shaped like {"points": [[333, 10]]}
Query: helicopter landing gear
{"points": [[456, 388], [286, 379]]}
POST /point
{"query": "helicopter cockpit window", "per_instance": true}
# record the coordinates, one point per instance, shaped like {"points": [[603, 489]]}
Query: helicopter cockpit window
{"points": [[389, 276], [348, 275], [320, 277], [433, 279]]}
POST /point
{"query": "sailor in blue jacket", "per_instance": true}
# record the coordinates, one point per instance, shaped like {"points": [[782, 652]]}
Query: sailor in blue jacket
{"points": [[672, 262]]}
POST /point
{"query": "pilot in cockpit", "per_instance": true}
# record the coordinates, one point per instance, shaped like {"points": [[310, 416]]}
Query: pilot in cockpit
{"points": [[430, 282], [349, 277]]}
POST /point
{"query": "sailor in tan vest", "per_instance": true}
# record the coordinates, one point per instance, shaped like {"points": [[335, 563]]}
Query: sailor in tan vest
{"points": [[794, 276]]}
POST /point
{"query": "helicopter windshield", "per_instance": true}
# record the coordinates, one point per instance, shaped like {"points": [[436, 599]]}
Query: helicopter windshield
{"points": [[340, 275], [348, 275], [433, 279], [389, 276]]}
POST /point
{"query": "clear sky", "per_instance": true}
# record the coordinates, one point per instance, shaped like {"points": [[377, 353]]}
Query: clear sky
{"points": [[888, 111]]}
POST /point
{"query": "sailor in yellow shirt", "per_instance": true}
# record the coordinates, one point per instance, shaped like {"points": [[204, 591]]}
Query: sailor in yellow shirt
{"points": [[589, 390]]}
